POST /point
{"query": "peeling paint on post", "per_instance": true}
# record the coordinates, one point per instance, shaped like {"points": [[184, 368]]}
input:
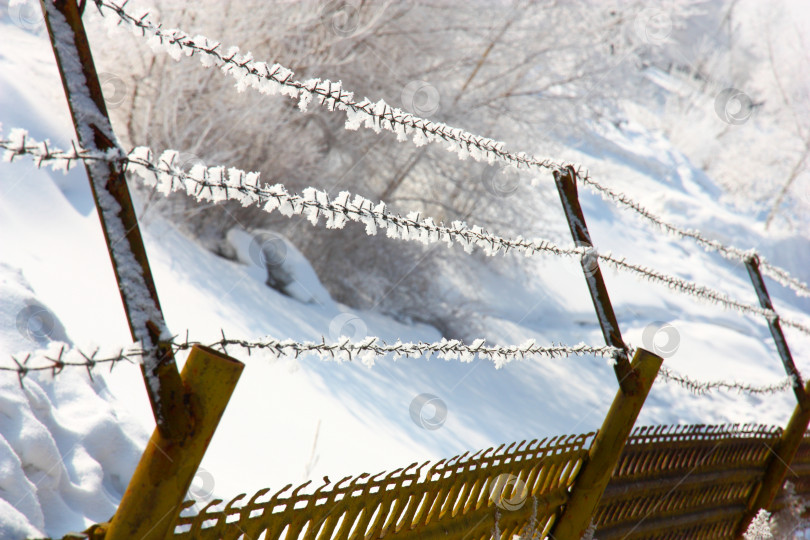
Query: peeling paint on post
{"points": [[783, 453], [117, 215], [566, 182]]}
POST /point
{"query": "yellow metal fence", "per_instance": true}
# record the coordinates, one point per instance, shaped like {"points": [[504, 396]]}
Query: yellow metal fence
{"points": [[671, 482], [462, 497], [684, 482]]}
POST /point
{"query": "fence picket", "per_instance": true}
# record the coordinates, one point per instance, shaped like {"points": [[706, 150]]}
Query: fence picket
{"points": [[648, 483]]}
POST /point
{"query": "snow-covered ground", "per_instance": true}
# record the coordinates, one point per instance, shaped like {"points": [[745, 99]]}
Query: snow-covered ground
{"points": [[68, 443]]}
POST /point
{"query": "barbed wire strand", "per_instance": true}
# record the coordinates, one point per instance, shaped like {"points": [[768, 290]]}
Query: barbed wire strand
{"points": [[704, 387], [380, 115], [778, 274], [278, 79], [218, 184], [72, 357], [366, 351], [706, 293], [369, 348], [343, 349]]}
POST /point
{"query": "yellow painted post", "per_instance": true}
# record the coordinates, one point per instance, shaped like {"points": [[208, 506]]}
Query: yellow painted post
{"points": [[151, 503], [595, 474], [782, 455]]}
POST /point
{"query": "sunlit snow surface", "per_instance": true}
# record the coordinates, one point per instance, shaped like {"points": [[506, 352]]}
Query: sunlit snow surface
{"points": [[68, 444]]}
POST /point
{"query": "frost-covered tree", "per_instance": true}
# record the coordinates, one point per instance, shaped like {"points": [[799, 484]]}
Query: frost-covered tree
{"points": [[738, 88], [788, 523], [533, 73]]}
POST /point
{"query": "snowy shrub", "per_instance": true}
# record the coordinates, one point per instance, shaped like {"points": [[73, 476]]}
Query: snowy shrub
{"points": [[477, 65], [789, 521]]}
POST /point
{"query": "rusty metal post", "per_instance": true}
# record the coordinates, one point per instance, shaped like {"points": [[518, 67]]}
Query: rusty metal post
{"points": [[752, 265], [785, 449], [151, 503], [117, 215], [782, 455], [605, 451], [566, 181]]}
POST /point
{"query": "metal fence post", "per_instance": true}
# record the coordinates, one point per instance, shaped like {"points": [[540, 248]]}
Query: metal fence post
{"points": [[752, 265], [117, 214], [566, 182], [187, 407], [784, 451], [635, 380], [595, 474], [152, 501]]}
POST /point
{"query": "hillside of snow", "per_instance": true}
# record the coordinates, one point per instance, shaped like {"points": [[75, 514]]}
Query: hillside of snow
{"points": [[68, 443]]}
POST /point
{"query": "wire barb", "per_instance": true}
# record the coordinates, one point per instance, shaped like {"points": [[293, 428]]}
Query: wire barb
{"points": [[217, 183], [367, 351], [379, 115], [343, 349], [704, 387]]}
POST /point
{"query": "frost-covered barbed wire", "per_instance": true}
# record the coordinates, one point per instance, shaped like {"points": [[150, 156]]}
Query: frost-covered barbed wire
{"points": [[19, 143], [778, 274], [379, 115], [216, 184], [700, 291], [370, 348], [704, 387], [59, 356], [219, 184], [277, 79]]}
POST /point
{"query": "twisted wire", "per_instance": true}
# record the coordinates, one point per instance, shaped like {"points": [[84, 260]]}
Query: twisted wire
{"points": [[218, 184], [366, 351], [700, 388], [279, 79], [341, 350], [380, 115], [780, 275]]}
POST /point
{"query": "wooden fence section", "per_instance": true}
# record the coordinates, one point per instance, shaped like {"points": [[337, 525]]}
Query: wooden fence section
{"points": [[672, 482], [457, 498]]}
